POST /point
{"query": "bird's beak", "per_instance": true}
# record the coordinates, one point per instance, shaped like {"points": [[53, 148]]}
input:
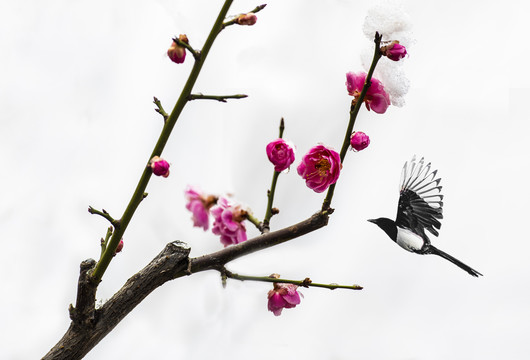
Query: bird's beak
{"points": [[371, 220]]}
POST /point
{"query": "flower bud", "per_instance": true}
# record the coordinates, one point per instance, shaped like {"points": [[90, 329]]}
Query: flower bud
{"points": [[160, 167], [359, 140], [120, 247], [280, 154], [247, 19], [177, 53], [395, 51]]}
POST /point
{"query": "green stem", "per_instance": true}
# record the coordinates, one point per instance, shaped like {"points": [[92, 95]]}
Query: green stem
{"points": [[354, 110], [138, 195], [221, 98], [253, 220], [304, 283], [270, 193]]}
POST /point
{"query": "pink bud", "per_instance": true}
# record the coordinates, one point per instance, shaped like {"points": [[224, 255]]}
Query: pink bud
{"points": [[282, 296], [177, 53], [247, 19], [120, 247], [159, 166], [359, 140], [395, 51], [320, 168], [280, 154]]}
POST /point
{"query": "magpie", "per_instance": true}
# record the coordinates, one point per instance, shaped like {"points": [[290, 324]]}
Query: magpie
{"points": [[419, 209]]}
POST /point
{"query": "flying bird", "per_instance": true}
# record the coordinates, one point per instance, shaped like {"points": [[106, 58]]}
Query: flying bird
{"points": [[419, 209]]}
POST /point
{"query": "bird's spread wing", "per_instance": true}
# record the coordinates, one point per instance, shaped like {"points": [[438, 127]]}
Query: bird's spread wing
{"points": [[420, 201]]}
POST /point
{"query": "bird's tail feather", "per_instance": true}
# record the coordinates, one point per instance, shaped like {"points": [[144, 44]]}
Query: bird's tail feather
{"points": [[460, 264]]}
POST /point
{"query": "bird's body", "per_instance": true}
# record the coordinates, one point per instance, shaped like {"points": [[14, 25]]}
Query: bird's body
{"points": [[419, 209]]}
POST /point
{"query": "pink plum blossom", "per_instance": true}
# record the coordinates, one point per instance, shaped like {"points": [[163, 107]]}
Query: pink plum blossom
{"points": [[160, 167], [376, 99], [282, 296], [320, 168], [281, 154], [247, 19], [176, 52], [228, 222], [359, 140], [395, 51], [199, 204]]}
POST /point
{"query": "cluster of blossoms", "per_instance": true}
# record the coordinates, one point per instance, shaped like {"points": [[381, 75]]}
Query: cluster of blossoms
{"points": [[282, 296], [228, 217], [320, 167]]}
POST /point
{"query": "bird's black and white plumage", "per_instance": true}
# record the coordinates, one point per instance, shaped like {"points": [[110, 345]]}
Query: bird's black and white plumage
{"points": [[419, 210]]}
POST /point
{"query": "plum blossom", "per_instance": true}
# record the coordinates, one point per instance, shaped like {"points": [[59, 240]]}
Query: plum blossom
{"points": [[176, 52], [159, 166], [282, 296], [359, 140], [376, 97], [395, 51], [320, 168], [199, 204], [228, 222], [247, 19], [280, 154]]}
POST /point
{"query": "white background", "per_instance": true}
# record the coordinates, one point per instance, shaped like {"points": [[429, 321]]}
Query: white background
{"points": [[77, 126]]}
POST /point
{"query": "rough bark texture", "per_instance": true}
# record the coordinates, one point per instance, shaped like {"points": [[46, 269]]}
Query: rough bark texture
{"points": [[89, 326]]}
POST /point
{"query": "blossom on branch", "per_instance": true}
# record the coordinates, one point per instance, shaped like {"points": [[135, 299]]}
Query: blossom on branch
{"points": [[359, 140], [395, 51], [228, 222], [282, 296], [376, 97], [247, 19], [160, 167], [176, 52], [199, 204], [320, 168], [280, 154]]}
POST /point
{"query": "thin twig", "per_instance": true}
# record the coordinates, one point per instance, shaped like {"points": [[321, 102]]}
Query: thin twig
{"points": [[106, 215], [160, 109], [307, 282], [221, 98]]}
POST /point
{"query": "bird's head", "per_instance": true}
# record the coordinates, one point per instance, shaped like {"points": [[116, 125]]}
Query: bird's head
{"points": [[388, 226]]}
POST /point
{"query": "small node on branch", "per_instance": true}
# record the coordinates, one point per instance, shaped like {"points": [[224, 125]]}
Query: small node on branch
{"points": [[306, 282]]}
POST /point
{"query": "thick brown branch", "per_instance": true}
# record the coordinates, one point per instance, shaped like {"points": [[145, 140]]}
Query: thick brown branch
{"points": [[90, 325], [82, 336], [220, 258]]}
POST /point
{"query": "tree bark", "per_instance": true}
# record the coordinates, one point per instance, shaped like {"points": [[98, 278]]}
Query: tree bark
{"points": [[90, 325]]}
